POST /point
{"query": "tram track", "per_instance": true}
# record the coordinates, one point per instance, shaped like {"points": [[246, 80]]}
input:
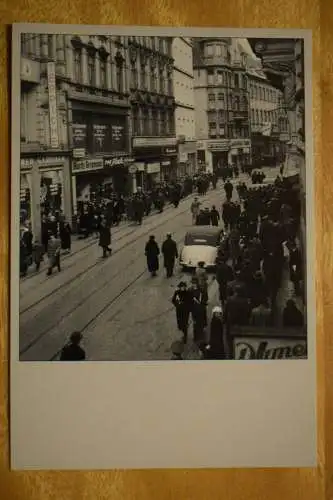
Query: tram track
{"points": [[66, 257], [98, 262], [83, 302]]}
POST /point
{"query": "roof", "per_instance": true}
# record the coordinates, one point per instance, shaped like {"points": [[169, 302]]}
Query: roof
{"points": [[205, 230]]}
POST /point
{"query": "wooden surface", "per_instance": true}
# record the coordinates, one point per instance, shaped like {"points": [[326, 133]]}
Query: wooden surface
{"points": [[304, 484]]}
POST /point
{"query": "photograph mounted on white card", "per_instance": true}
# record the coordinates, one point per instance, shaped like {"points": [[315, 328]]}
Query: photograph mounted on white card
{"points": [[162, 248], [156, 171]]}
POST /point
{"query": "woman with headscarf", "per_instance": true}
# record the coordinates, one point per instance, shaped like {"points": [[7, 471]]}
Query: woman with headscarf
{"points": [[215, 348], [152, 252]]}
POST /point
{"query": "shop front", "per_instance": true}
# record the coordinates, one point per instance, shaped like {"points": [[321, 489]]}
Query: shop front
{"points": [[187, 159], [159, 156], [269, 343], [44, 189], [218, 150], [100, 155], [239, 152]]}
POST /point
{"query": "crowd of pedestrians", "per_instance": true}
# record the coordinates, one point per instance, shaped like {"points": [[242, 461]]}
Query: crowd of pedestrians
{"points": [[259, 252]]}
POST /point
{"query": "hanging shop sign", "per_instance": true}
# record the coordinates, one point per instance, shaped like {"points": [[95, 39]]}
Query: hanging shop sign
{"points": [[30, 70], [247, 348], [166, 163], [240, 143], [139, 142], [153, 168], [218, 145], [80, 135], [99, 133], [108, 134], [51, 83], [80, 166], [79, 153], [169, 151], [118, 162], [28, 163]]}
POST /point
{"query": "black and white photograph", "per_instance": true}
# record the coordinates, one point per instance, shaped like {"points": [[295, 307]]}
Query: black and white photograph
{"points": [[162, 248], [162, 198]]}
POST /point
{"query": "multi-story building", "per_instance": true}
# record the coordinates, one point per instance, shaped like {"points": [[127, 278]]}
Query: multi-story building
{"points": [[283, 63], [83, 98], [75, 118], [183, 86], [222, 102], [152, 100], [45, 160], [269, 121]]}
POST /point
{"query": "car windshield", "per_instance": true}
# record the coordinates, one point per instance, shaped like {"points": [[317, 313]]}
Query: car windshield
{"points": [[210, 240]]}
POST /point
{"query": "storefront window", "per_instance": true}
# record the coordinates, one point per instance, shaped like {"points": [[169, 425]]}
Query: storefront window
{"points": [[51, 193], [78, 65], [91, 69]]}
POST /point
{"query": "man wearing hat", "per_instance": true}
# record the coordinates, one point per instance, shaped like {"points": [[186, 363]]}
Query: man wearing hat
{"points": [[170, 254], [73, 351]]}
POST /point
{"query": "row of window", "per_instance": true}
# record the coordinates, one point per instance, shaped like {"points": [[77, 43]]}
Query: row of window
{"points": [[152, 122], [230, 101], [96, 77], [156, 43], [262, 93], [154, 80], [231, 131], [227, 79]]}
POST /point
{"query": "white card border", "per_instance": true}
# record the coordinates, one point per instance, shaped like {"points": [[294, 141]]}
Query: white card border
{"points": [[112, 415]]}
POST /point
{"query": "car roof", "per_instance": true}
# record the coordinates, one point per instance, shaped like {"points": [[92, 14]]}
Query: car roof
{"points": [[205, 230]]}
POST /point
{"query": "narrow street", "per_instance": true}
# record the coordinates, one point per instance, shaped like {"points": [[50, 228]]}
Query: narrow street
{"points": [[122, 312]]}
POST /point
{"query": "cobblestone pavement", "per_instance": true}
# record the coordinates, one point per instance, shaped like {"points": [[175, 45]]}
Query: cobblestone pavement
{"points": [[105, 298]]}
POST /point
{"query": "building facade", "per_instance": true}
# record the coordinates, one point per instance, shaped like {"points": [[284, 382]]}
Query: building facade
{"points": [[45, 162], [183, 85], [222, 103], [269, 121], [154, 142], [283, 63]]}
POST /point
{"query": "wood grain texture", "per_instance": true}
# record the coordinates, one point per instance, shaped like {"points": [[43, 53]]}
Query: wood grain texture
{"points": [[303, 484]]}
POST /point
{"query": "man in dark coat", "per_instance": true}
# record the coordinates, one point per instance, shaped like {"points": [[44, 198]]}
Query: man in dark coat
{"points": [[73, 351], [214, 216], [105, 238], [181, 301], [170, 254], [228, 188], [199, 301], [152, 252]]}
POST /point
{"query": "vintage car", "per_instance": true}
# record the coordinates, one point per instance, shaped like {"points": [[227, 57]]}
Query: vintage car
{"points": [[200, 245]]}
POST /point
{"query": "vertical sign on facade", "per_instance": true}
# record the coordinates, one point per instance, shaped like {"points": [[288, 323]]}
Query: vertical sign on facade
{"points": [[51, 83]]}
